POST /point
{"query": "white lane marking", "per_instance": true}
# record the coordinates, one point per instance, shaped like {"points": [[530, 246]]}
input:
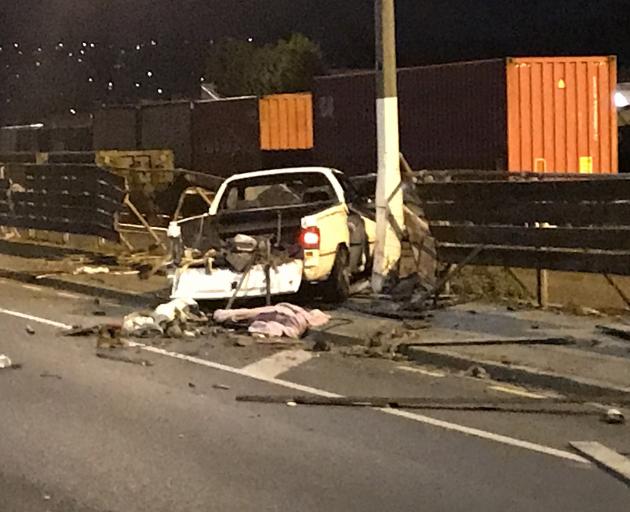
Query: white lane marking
{"points": [[454, 427], [422, 372], [242, 372], [279, 363], [69, 295], [33, 288], [38, 319], [517, 392], [41, 289]]}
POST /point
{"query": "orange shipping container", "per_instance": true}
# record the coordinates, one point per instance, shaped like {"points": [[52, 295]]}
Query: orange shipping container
{"points": [[561, 114], [286, 122]]}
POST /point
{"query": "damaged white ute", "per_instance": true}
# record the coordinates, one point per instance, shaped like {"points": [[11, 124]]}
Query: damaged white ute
{"points": [[274, 233]]}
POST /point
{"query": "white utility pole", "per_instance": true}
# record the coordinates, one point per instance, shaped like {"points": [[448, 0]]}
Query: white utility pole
{"points": [[389, 197]]}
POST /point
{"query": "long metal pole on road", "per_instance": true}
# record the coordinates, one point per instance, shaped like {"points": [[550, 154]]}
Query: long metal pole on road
{"points": [[389, 197]]}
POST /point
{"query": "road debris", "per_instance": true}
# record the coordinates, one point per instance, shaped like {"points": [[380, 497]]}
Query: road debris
{"points": [[176, 319], [282, 320], [614, 417], [547, 407], [620, 332], [5, 362], [607, 459], [47, 375], [478, 372], [139, 325], [121, 358], [321, 346], [495, 342]]}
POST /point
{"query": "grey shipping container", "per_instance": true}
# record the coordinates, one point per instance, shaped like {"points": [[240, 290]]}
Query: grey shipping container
{"points": [[169, 126], [451, 116], [226, 136], [116, 128]]}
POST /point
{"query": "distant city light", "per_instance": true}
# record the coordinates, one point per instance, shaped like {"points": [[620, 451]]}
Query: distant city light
{"points": [[16, 45], [149, 74], [250, 39], [110, 85], [160, 91], [84, 44], [138, 85], [38, 63], [92, 45], [90, 79], [138, 47], [153, 42], [73, 112]]}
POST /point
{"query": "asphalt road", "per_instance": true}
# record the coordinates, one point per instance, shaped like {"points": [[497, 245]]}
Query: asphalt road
{"points": [[78, 433]]}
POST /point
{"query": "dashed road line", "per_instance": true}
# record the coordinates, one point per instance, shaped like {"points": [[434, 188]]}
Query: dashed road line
{"points": [[453, 427], [428, 373], [279, 363], [517, 392]]}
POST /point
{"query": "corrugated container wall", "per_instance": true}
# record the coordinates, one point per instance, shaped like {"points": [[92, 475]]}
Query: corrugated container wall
{"points": [[226, 136], [116, 128], [562, 116], [168, 126], [286, 122]]}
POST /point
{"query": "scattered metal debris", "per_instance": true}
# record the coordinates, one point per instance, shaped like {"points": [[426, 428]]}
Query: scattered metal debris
{"points": [[121, 358], [78, 331], [47, 375], [494, 342], [547, 407]]}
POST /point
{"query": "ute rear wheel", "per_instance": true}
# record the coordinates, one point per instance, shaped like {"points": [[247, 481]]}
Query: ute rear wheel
{"points": [[337, 288]]}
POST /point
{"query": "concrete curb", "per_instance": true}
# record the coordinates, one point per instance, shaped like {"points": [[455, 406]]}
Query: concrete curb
{"points": [[121, 297], [565, 384]]}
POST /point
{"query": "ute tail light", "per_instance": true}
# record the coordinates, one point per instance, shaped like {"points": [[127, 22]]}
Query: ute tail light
{"points": [[310, 238]]}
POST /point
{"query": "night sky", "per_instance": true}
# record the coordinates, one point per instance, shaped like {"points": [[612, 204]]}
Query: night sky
{"points": [[430, 31]]}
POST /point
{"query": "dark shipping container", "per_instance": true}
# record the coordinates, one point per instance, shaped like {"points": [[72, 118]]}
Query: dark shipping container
{"points": [[226, 136], [116, 128], [169, 126]]}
